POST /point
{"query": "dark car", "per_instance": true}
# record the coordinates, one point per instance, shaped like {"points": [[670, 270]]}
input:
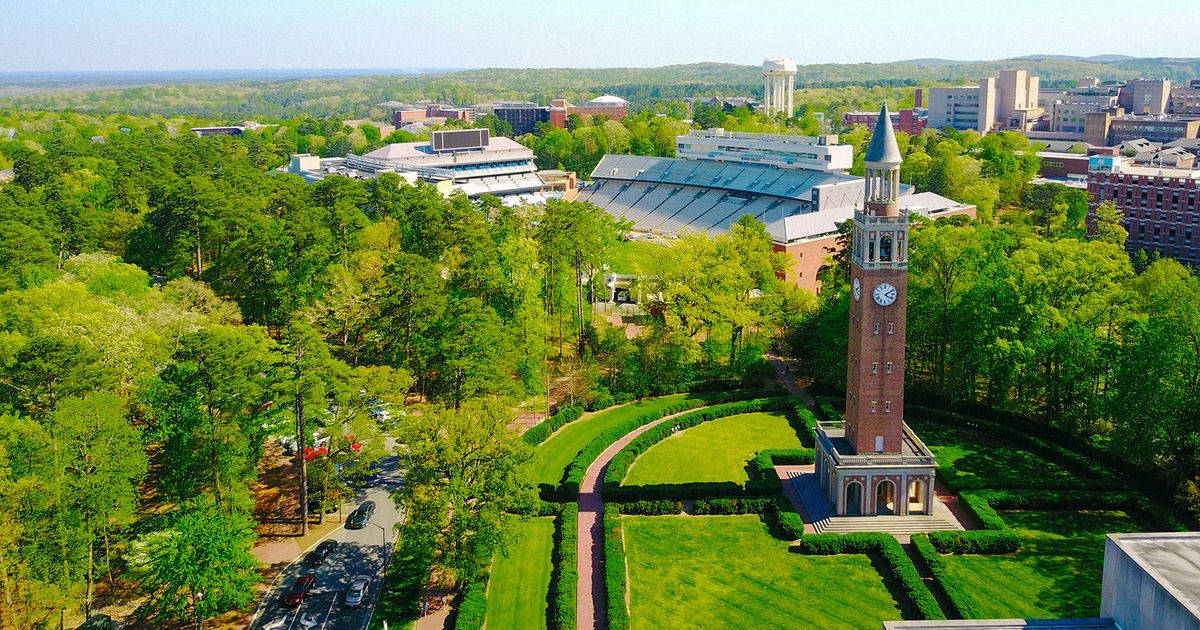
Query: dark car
{"points": [[300, 589], [361, 516], [322, 551]]}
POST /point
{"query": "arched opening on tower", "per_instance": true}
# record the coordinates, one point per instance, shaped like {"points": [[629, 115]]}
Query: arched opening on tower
{"points": [[854, 492], [916, 496], [885, 497], [885, 248]]}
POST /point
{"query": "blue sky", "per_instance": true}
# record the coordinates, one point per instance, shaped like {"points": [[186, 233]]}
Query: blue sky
{"points": [[222, 34]]}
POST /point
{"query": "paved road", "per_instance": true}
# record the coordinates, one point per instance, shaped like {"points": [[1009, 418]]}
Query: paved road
{"points": [[359, 552]]}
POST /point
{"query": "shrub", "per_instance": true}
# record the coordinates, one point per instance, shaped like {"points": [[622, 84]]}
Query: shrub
{"points": [[539, 433], [624, 398], [472, 610], [791, 526], [614, 569], [650, 508], [689, 490], [564, 579], [747, 505], [828, 406], [764, 463], [978, 506], [900, 567], [804, 421], [600, 399], [976, 541], [956, 591]]}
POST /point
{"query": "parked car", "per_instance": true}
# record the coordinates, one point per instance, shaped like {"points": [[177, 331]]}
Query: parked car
{"points": [[356, 593], [361, 516], [322, 551], [300, 589]]}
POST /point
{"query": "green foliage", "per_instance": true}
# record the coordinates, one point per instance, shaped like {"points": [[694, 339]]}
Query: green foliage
{"points": [[473, 607], [564, 581], [740, 505], [540, 432], [957, 592], [206, 550], [900, 567], [614, 568], [976, 541], [651, 507]]}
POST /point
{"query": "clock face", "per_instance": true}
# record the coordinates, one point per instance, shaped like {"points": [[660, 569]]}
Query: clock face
{"points": [[885, 294], [857, 289]]}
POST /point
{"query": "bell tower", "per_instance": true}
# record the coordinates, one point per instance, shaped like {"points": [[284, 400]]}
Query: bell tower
{"points": [[879, 288]]}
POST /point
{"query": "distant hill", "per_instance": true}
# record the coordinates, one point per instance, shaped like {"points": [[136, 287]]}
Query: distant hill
{"points": [[348, 96]]}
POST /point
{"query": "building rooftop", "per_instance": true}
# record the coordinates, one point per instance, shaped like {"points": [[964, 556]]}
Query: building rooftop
{"points": [[609, 99], [912, 450], [415, 150], [1172, 559]]}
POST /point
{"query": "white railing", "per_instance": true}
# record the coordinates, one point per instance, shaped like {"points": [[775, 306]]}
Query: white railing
{"points": [[872, 459]]}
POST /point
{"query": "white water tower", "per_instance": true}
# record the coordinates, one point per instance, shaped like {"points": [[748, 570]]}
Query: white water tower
{"points": [[779, 85]]}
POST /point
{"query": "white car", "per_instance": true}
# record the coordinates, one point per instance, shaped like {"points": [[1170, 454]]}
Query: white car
{"points": [[356, 593]]}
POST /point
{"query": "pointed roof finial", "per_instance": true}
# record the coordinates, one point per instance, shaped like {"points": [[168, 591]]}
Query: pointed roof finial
{"points": [[883, 148]]}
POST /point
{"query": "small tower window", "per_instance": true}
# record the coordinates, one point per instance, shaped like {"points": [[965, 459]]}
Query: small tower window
{"points": [[876, 328], [891, 327], [887, 406], [873, 404], [888, 367], [875, 367], [885, 248]]}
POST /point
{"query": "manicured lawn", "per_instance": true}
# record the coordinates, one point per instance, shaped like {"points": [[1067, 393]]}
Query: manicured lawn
{"points": [[717, 450], [983, 461], [553, 456], [632, 256], [728, 572], [521, 578], [1056, 573]]}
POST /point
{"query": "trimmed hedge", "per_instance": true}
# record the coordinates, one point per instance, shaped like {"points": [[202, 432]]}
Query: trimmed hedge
{"points": [[828, 406], [804, 421], [978, 506], [584, 458], [791, 526], [763, 465], [614, 569], [756, 505], [620, 464], [976, 541], [539, 433], [561, 612], [472, 610], [691, 490], [958, 594], [900, 567], [650, 508]]}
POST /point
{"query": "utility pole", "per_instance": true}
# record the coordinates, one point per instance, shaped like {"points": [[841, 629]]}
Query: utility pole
{"points": [[298, 371]]}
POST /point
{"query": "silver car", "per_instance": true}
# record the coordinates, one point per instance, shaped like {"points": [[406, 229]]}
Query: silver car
{"points": [[356, 593]]}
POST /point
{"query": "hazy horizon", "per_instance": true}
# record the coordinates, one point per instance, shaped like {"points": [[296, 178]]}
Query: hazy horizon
{"points": [[252, 35]]}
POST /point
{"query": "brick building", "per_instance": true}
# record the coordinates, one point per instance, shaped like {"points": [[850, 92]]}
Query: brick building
{"points": [[1153, 127], [1160, 205], [523, 118], [607, 106], [906, 120], [1185, 100]]}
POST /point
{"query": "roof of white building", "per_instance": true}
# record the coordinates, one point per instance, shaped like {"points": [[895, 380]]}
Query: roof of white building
{"points": [[412, 150], [609, 99]]}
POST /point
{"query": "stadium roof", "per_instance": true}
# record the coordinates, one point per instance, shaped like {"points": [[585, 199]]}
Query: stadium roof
{"points": [[673, 194], [609, 99]]}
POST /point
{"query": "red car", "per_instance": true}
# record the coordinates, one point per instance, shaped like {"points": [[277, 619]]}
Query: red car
{"points": [[300, 589]]}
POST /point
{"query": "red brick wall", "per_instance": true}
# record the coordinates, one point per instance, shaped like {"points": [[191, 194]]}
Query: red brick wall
{"points": [[875, 396], [807, 258]]}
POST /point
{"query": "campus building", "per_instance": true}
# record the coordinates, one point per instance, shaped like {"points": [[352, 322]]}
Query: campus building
{"points": [[1159, 204], [796, 185], [1145, 96], [910, 121], [607, 106], [1008, 101], [523, 118], [1185, 100], [873, 463], [467, 161], [1152, 127]]}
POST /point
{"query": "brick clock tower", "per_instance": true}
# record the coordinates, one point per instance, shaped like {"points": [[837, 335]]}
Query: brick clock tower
{"points": [[873, 463]]}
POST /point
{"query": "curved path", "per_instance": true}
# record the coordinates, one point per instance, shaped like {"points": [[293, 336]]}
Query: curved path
{"points": [[591, 599]]}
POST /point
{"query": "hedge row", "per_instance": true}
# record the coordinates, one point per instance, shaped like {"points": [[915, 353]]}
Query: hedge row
{"points": [[828, 406], [900, 567], [976, 541], [564, 578], [650, 508], [472, 610], [764, 463], [956, 591], [614, 569], [1091, 474], [747, 505], [624, 459], [804, 421], [690, 490], [984, 503], [539, 433], [584, 458], [791, 526]]}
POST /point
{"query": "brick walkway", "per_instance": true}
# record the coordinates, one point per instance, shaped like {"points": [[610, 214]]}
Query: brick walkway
{"points": [[591, 598]]}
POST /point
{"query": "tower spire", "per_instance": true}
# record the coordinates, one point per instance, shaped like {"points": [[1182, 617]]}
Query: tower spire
{"points": [[883, 148]]}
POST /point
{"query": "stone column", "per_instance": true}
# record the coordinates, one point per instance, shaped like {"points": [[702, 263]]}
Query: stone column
{"points": [[791, 105], [767, 91]]}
